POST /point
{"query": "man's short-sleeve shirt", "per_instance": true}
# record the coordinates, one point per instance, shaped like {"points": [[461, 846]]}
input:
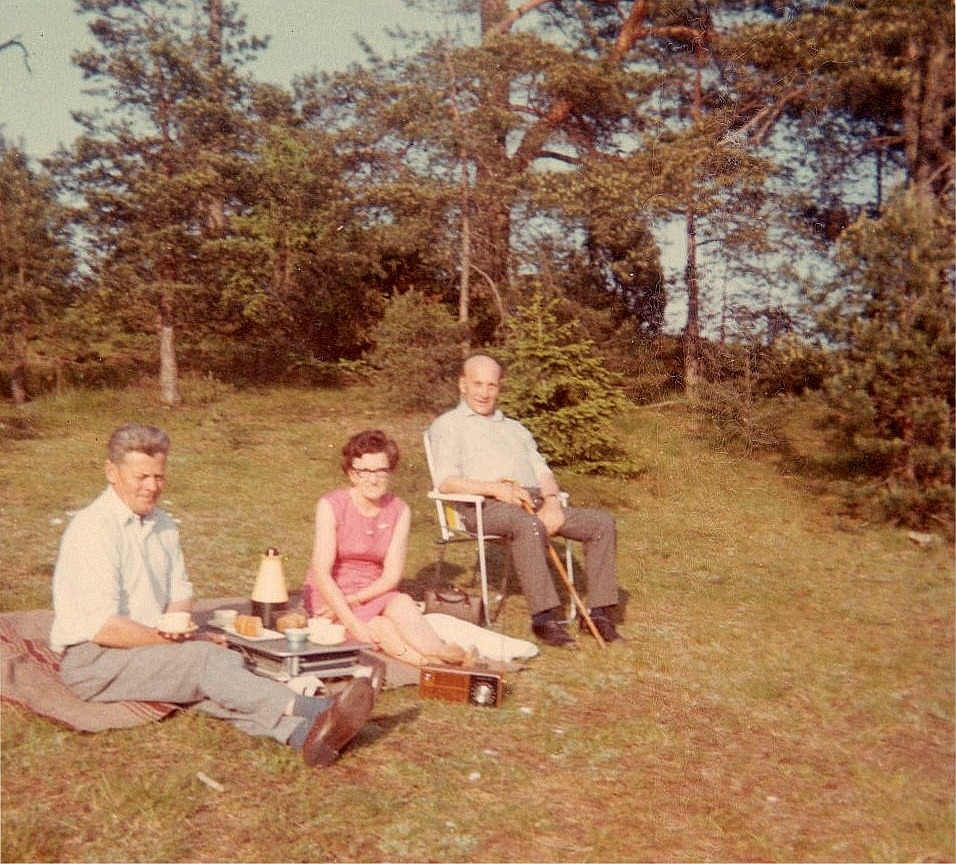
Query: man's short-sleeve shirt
{"points": [[112, 562], [489, 448]]}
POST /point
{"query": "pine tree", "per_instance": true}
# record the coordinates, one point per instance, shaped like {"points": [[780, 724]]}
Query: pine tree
{"points": [[558, 386], [417, 348], [35, 260], [891, 313], [158, 165]]}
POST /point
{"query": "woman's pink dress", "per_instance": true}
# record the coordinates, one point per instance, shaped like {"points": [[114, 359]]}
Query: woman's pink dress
{"points": [[361, 543]]}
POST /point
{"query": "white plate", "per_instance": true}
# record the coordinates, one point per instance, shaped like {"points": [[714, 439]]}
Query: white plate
{"points": [[262, 637], [341, 641], [192, 628]]}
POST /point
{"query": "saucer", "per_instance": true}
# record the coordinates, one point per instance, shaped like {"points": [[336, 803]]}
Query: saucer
{"points": [[327, 643], [192, 628]]}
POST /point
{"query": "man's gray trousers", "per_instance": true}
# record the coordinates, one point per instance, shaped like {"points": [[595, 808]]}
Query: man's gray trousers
{"points": [[197, 674], [594, 529]]}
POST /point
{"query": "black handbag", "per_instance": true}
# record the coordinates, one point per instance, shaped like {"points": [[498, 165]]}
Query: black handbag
{"points": [[454, 601]]}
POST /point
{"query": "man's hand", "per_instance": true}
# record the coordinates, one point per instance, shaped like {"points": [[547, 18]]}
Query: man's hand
{"points": [[509, 492], [551, 514]]}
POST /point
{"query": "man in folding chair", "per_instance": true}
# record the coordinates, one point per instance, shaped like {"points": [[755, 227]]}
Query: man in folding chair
{"points": [[479, 451]]}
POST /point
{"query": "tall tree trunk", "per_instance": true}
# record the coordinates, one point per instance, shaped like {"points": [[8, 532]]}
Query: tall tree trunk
{"points": [[491, 234], [691, 283], [18, 374], [464, 185], [929, 159], [215, 205], [692, 329], [464, 283], [168, 367], [18, 342]]}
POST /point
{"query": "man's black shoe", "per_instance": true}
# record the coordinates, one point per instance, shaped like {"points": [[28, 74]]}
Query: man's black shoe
{"points": [[552, 633], [604, 626]]}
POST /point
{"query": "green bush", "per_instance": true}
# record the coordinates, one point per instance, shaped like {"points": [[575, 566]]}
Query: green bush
{"points": [[417, 351], [561, 389], [791, 365], [890, 314]]}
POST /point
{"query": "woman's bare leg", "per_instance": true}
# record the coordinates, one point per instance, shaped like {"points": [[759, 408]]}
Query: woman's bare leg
{"points": [[417, 633], [392, 643]]}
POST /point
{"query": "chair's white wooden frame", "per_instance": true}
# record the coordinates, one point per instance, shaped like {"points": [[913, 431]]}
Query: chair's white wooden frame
{"points": [[452, 529]]}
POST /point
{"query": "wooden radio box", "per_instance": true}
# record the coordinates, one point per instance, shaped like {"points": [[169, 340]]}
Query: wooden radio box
{"points": [[485, 689]]}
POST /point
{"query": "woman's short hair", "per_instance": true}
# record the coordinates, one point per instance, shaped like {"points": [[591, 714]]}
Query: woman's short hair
{"points": [[136, 438], [369, 441]]}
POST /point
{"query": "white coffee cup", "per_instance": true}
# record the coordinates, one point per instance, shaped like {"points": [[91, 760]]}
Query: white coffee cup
{"points": [[224, 617], [175, 622], [318, 625]]}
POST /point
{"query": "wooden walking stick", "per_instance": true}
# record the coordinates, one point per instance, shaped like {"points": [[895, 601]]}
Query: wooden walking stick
{"points": [[556, 560]]}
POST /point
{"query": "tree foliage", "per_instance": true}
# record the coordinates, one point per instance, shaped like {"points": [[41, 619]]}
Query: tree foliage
{"points": [[891, 313], [36, 260], [886, 65], [559, 387], [160, 166], [417, 348]]}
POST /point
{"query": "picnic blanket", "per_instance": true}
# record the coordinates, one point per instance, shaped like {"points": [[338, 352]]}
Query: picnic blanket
{"points": [[30, 675], [30, 678], [29, 668]]}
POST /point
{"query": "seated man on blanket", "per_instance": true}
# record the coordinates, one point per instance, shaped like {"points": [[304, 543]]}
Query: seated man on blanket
{"points": [[119, 568]]}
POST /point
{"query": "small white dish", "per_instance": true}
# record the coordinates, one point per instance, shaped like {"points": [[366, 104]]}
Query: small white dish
{"points": [[296, 636], [224, 617], [333, 634], [192, 628], [175, 623]]}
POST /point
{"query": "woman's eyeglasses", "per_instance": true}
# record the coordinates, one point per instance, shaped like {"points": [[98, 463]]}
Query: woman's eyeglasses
{"points": [[366, 473]]}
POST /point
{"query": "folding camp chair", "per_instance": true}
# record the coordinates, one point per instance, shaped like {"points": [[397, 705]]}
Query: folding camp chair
{"points": [[452, 530]]}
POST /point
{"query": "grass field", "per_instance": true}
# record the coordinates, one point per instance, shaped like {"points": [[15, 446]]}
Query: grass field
{"points": [[786, 692]]}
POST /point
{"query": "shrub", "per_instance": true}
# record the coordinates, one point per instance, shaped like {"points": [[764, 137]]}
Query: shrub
{"points": [[561, 389], [417, 350], [890, 313]]}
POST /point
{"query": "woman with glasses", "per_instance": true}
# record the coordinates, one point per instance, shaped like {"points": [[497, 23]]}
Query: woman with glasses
{"points": [[361, 538]]}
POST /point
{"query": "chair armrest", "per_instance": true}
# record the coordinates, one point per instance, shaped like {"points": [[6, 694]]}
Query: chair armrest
{"points": [[460, 498], [463, 498]]}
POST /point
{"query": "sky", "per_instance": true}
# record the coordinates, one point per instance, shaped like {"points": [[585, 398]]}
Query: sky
{"points": [[305, 35], [35, 102]]}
